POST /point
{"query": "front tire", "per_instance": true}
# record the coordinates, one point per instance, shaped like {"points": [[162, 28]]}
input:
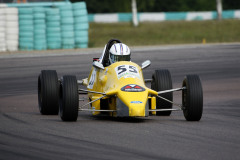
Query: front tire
{"points": [[48, 92], [192, 98], [162, 80], [69, 99]]}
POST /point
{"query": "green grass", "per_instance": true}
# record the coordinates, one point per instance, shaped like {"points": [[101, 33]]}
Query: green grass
{"points": [[168, 32]]}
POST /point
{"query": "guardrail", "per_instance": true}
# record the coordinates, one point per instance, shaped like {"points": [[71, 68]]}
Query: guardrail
{"points": [[162, 16]]}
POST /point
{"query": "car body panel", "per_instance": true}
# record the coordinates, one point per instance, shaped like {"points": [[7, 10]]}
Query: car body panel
{"points": [[111, 80]]}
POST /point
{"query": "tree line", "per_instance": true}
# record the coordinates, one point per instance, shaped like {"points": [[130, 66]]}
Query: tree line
{"points": [[113, 6]]}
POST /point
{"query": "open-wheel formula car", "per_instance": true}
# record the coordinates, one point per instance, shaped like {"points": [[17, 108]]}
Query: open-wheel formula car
{"points": [[118, 90]]}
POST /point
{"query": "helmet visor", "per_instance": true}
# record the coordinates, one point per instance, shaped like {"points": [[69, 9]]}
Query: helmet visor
{"points": [[116, 58]]}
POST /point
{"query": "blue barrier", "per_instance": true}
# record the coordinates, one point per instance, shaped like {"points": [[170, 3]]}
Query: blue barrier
{"points": [[163, 16], [38, 4], [176, 15]]}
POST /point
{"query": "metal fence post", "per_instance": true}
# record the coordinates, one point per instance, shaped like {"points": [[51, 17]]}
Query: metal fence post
{"points": [[219, 9], [134, 13]]}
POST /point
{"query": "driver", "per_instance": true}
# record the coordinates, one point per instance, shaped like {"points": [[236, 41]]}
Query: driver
{"points": [[115, 51], [119, 52]]}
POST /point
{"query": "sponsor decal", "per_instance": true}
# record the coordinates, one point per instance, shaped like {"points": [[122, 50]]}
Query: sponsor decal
{"points": [[127, 71], [132, 88], [136, 102]]}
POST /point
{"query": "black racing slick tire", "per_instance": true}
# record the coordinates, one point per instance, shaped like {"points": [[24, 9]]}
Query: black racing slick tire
{"points": [[48, 92], [162, 80], [192, 98], [69, 99]]}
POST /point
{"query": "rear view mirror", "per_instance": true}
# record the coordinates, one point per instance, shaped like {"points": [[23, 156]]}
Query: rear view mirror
{"points": [[98, 65], [146, 64]]}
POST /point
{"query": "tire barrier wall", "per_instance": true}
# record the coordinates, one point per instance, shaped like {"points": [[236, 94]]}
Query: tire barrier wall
{"points": [[53, 30], [8, 28], [26, 29], [12, 29], [41, 27], [67, 26], [81, 25], [162, 16], [2, 29]]}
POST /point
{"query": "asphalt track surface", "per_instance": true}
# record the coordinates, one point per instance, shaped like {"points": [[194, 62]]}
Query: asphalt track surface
{"points": [[25, 134]]}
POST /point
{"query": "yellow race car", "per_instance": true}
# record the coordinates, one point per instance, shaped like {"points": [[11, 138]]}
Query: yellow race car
{"points": [[118, 90]]}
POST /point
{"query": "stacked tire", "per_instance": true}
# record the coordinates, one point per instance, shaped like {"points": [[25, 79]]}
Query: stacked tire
{"points": [[53, 28], [40, 42], [81, 25], [26, 34], [12, 30], [67, 28], [2, 29]]}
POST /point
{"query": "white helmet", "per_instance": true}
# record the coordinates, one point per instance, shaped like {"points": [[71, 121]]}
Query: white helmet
{"points": [[119, 52]]}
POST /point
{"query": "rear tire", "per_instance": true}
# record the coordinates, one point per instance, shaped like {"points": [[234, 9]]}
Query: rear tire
{"points": [[69, 99], [48, 92], [192, 98], [161, 80]]}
